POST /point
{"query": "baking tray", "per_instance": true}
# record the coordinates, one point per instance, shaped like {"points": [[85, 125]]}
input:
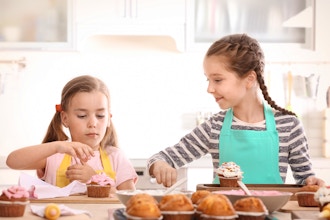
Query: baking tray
{"points": [[278, 187]]}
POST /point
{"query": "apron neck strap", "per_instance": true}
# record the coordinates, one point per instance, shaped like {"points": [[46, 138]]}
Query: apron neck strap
{"points": [[269, 117]]}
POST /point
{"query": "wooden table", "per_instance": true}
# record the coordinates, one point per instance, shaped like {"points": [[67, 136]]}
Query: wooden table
{"points": [[79, 199], [298, 212], [100, 208]]}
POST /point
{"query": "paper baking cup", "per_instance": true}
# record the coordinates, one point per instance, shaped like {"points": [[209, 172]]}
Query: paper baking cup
{"points": [[12, 209]]}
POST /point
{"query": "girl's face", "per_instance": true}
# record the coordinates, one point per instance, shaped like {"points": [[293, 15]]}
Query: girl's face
{"points": [[227, 88], [87, 118]]}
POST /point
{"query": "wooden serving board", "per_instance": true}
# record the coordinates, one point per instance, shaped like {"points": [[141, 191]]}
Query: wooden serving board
{"points": [[278, 187], [307, 215], [78, 199], [293, 206]]}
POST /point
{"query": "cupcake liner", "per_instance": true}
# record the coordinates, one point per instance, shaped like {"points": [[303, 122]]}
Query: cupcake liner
{"points": [[12, 209], [306, 199], [214, 217], [98, 191], [131, 217], [251, 215], [321, 206], [198, 215], [228, 181], [178, 215]]}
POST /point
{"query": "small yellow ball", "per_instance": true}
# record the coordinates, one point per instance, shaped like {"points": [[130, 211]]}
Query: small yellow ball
{"points": [[52, 211]]}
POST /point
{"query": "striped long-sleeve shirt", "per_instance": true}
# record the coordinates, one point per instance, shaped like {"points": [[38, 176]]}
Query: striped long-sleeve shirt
{"points": [[204, 139]]}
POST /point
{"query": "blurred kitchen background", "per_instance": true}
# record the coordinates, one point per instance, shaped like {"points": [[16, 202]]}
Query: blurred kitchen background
{"points": [[150, 53]]}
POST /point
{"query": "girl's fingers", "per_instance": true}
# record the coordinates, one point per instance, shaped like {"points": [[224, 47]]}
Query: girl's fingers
{"points": [[83, 152]]}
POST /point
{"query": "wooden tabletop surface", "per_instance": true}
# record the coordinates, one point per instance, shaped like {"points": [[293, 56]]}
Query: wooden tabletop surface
{"points": [[101, 207], [79, 199]]}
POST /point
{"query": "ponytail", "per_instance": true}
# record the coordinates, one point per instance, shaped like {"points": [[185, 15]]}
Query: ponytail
{"points": [[55, 130]]}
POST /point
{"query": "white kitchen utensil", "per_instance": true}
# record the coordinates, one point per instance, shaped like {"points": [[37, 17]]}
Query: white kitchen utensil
{"points": [[175, 185], [244, 188]]}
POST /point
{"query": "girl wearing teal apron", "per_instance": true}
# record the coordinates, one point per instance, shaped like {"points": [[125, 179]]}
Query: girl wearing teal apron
{"points": [[256, 152]]}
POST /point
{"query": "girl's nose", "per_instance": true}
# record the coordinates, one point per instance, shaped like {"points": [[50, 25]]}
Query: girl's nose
{"points": [[92, 122], [210, 88]]}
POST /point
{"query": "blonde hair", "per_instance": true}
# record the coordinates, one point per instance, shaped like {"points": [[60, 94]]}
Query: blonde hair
{"points": [[83, 83], [243, 54]]}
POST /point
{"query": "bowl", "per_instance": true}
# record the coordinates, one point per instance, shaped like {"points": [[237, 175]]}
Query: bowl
{"points": [[273, 200], [124, 195]]}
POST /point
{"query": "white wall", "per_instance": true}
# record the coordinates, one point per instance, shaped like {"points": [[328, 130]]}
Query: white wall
{"points": [[155, 90]]}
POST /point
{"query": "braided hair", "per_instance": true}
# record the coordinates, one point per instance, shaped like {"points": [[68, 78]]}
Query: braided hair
{"points": [[244, 54]]}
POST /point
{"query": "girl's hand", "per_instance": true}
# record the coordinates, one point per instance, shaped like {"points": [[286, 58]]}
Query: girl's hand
{"points": [[76, 149], [80, 172], [312, 180], [164, 173]]}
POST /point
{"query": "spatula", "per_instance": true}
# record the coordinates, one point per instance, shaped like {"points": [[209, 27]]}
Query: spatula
{"points": [[244, 188]]}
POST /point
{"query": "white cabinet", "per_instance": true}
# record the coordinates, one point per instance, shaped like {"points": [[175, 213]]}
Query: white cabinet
{"points": [[131, 17], [36, 25], [267, 21], [139, 11], [322, 33]]}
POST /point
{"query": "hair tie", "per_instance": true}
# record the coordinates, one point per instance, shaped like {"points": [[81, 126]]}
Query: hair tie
{"points": [[58, 108]]}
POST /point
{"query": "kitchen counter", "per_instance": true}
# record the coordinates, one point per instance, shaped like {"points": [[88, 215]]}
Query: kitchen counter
{"points": [[103, 210], [98, 211]]}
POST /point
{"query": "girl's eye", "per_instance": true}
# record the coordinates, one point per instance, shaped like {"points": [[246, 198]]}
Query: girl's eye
{"points": [[81, 116], [100, 116], [217, 80]]}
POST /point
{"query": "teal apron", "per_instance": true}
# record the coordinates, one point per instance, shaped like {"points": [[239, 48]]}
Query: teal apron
{"points": [[256, 152]]}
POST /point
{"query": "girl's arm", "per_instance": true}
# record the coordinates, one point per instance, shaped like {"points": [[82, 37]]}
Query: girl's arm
{"points": [[34, 157], [163, 165], [299, 158], [128, 184]]}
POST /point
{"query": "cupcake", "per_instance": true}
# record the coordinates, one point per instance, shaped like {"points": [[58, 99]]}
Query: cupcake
{"points": [[140, 198], [13, 201], [142, 206], [305, 196], [229, 173], [197, 196], [325, 212], [322, 197], [99, 186], [176, 207], [250, 208], [216, 207]]}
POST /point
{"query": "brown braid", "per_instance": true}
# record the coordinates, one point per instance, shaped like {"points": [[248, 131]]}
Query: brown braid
{"points": [[244, 54], [269, 100]]}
